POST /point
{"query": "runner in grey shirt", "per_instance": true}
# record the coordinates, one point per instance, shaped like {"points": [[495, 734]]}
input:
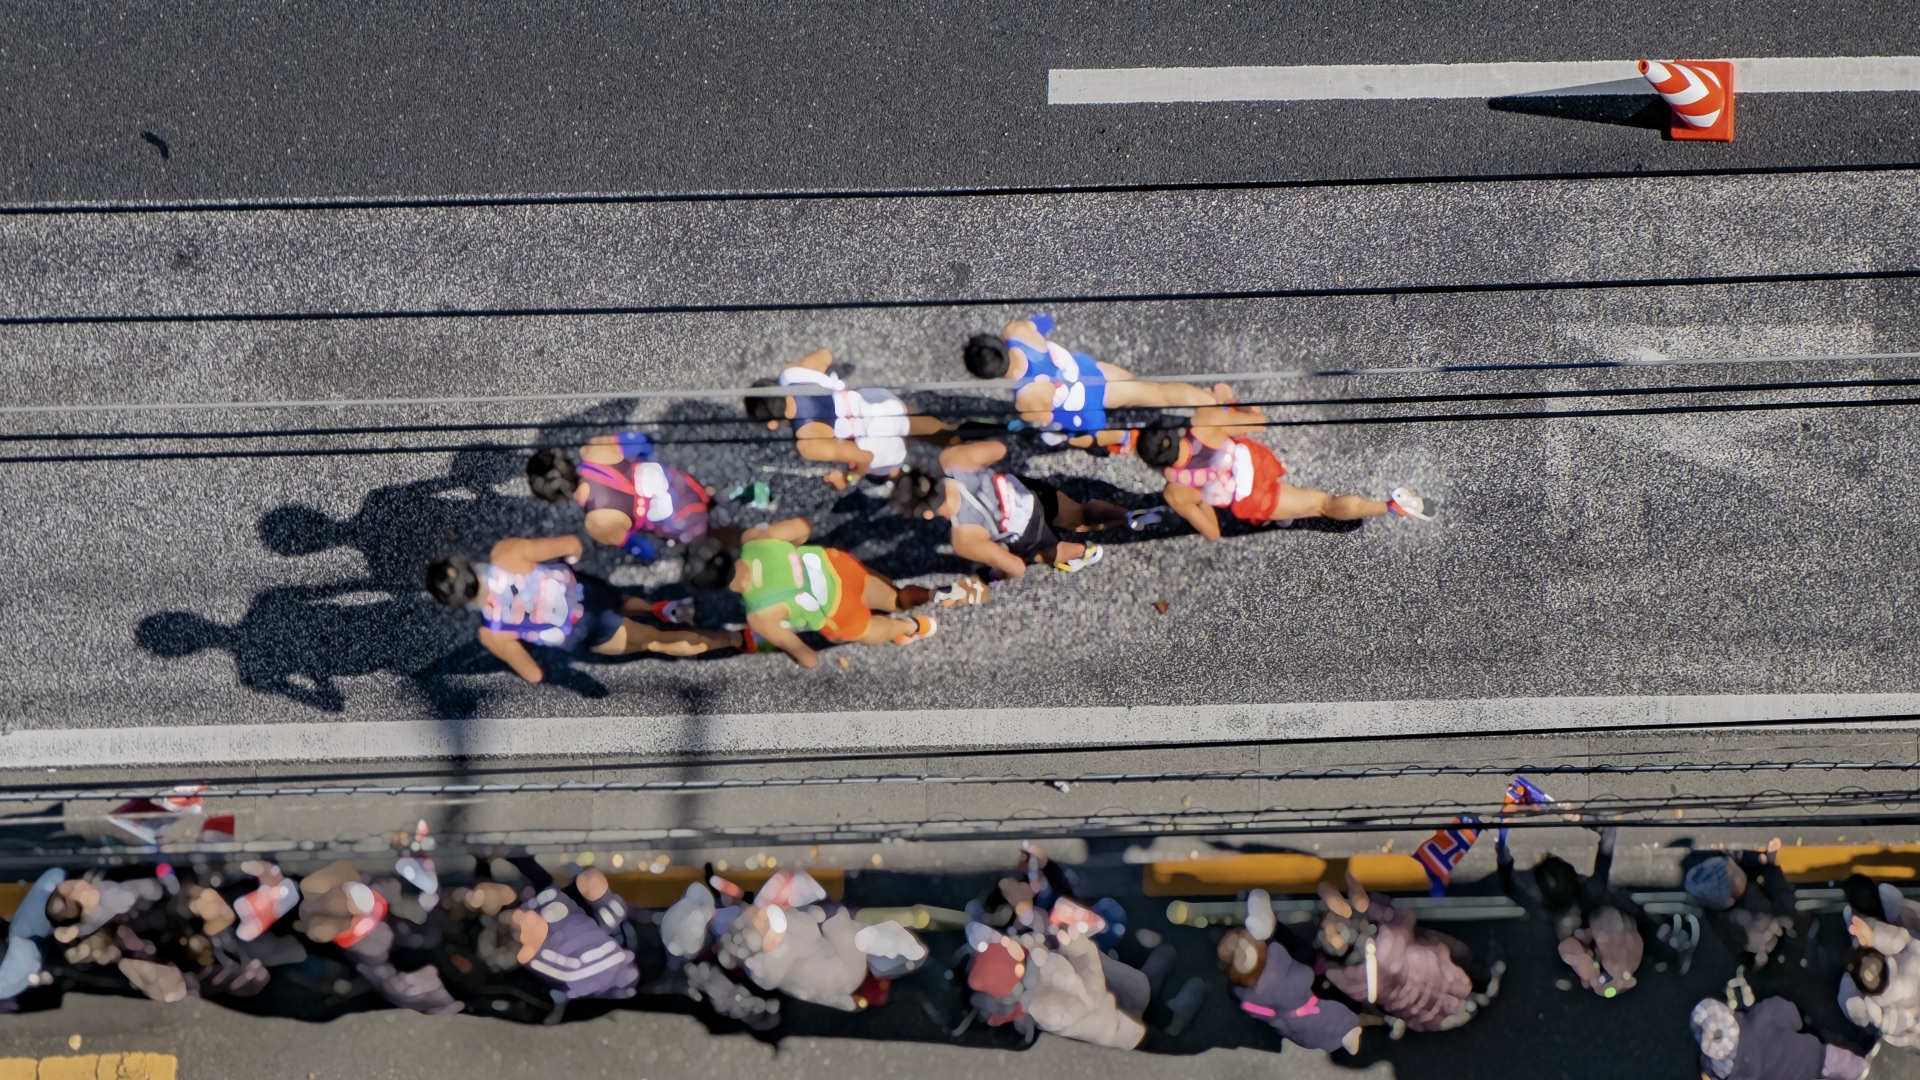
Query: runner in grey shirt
{"points": [[1001, 519]]}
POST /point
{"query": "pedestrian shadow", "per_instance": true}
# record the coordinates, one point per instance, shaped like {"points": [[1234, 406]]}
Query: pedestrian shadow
{"points": [[1620, 110], [302, 641]]}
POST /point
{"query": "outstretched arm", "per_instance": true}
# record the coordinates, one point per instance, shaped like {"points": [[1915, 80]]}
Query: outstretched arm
{"points": [[766, 624], [1188, 504], [973, 542], [1225, 423], [514, 654], [794, 530], [973, 455], [826, 448], [519, 554]]}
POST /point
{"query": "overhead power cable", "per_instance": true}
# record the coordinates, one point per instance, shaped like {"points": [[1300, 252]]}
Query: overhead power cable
{"points": [[1352, 421], [1398, 399], [937, 386]]}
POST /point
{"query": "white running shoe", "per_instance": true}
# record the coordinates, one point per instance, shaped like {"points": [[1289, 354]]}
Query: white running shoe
{"points": [[923, 627], [1407, 504], [1094, 554], [966, 591]]}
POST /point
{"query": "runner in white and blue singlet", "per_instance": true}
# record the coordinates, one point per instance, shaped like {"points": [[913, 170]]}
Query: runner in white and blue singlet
{"points": [[528, 593]]}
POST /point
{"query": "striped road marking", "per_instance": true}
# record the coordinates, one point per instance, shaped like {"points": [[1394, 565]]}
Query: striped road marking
{"points": [[868, 732], [91, 1067], [1389, 82]]}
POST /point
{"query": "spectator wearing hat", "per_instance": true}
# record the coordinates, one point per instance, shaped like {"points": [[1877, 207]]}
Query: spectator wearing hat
{"points": [[996, 973], [1748, 900], [1881, 989], [1766, 1042]]}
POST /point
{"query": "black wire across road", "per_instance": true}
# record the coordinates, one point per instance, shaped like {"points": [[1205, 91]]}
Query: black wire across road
{"points": [[1351, 421], [923, 303], [1278, 403]]}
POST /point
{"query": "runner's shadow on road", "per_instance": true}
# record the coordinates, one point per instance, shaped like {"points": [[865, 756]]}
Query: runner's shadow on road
{"points": [[302, 641], [1620, 110]]}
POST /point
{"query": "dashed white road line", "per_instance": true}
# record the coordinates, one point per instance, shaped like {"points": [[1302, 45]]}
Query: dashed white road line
{"points": [[1389, 82]]}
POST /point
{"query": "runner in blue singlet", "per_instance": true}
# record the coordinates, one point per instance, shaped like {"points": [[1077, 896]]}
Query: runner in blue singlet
{"points": [[1067, 394]]}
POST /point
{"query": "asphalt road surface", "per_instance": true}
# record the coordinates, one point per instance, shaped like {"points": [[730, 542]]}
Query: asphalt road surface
{"points": [[175, 101], [1675, 549]]}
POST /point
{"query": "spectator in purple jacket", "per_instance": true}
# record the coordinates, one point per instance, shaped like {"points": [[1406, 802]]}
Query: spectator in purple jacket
{"points": [[569, 947], [1765, 1043]]}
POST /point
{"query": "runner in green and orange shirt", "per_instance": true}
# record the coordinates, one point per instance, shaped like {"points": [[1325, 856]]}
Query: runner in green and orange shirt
{"points": [[790, 587]]}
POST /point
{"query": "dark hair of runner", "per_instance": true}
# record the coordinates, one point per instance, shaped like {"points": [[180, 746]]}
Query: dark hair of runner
{"points": [[1863, 895], [452, 581], [1160, 446], [551, 475], [1868, 968], [986, 357], [764, 409], [708, 565], [916, 493]]}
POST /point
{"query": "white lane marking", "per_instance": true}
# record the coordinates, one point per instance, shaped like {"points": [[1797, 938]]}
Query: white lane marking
{"points": [[1751, 75], [373, 740]]}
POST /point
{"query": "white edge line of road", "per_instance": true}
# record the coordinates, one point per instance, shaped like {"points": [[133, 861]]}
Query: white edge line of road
{"points": [[866, 732], [1391, 82]]}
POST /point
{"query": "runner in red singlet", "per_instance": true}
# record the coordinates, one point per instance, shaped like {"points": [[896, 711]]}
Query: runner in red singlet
{"points": [[1215, 465]]}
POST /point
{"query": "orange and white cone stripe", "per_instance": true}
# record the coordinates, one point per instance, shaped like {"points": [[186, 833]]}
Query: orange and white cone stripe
{"points": [[1695, 93]]}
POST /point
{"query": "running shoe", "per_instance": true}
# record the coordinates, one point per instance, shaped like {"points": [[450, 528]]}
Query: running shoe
{"points": [[966, 591], [923, 627], [1139, 520], [677, 612], [1407, 504], [1094, 554], [1125, 446]]}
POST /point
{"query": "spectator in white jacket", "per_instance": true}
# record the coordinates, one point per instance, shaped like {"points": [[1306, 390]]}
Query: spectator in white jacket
{"points": [[1067, 994], [1881, 989]]}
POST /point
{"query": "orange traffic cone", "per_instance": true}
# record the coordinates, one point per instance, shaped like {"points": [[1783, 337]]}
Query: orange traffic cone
{"points": [[1700, 93]]}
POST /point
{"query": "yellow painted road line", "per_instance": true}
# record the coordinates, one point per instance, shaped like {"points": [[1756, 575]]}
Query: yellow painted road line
{"points": [[92, 1067], [1282, 873], [643, 888]]}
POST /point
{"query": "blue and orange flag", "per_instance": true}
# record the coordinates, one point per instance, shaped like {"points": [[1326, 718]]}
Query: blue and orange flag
{"points": [[1443, 851], [1521, 794]]}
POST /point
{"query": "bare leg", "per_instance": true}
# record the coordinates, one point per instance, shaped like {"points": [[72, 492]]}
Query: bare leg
{"points": [[881, 594], [1297, 502], [1081, 517], [633, 637], [926, 425], [1129, 394], [883, 630], [1064, 551]]}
